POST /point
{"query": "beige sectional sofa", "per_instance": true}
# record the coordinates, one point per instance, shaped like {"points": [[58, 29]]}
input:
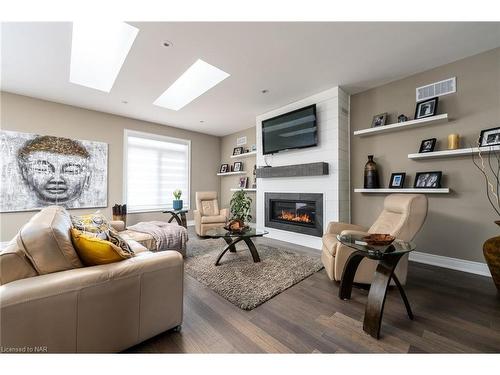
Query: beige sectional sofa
{"points": [[50, 301]]}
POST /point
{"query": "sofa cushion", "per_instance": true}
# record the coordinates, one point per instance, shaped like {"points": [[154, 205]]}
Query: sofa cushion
{"points": [[213, 219], [330, 242], [94, 251], [46, 241], [14, 265]]}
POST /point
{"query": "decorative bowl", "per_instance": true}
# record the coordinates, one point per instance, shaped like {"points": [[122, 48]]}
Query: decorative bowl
{"points": [[379, 239], [239, 230]]}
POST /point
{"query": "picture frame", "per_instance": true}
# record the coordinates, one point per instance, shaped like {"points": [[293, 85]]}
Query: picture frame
{"points": [[237, 166], [397, 180], [379, 120], [427, 145], [489, 137], [243, 182], [224, 168], [428, 180], [426, 108], [237, 151]]}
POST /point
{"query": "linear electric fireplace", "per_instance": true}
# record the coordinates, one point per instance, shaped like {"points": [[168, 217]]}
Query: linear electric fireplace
{"points": [[295, 212]]}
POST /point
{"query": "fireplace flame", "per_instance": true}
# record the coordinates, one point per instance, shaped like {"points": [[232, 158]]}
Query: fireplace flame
{"points": [[289, 216]]}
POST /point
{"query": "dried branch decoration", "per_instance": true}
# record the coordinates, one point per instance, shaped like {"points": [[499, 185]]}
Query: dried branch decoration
{"points": [[491, 174]]}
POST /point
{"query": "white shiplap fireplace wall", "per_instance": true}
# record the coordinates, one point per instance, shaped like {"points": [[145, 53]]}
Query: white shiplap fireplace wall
{"points": [[332, 108]]}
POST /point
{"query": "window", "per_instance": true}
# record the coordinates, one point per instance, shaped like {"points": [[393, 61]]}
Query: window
{"points": [[154, 167]]}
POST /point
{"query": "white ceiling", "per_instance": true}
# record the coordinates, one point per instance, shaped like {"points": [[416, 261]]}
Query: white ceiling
{"points": [[291, 60]]}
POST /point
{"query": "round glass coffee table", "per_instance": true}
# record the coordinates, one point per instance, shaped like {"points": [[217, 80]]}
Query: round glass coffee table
{"points": [[388, 257], [232, 238]]}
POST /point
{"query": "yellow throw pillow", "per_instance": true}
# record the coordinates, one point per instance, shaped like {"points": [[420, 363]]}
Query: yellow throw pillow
{"points": [[94, 251]]}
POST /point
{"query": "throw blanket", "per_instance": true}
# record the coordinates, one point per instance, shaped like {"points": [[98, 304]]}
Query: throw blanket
{"points": [[168, 236]]}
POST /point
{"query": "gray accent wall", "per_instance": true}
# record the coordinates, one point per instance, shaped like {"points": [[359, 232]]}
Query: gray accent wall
{"points": [[25, 114], [457, 223]]}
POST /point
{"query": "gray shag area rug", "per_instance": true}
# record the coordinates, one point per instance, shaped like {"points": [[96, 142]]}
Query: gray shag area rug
{"points": [[241, 281]]}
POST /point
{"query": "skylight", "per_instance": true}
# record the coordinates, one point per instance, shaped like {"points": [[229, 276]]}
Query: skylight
{"points": [[199, 78], [98, 52]]}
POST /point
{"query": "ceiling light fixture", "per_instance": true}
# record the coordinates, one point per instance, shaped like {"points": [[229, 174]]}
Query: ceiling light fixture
{"points": [[168, 43], [98, 52], [265, 91], [198, 79]]}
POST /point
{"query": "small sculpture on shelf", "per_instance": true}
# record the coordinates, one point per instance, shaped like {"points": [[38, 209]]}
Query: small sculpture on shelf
{"points": [[402, 118]]}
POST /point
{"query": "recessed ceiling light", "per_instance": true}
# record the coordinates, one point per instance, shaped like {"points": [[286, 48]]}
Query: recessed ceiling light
{"points": [[265, 91], [199, 78], [98, 52], [168, 43]]}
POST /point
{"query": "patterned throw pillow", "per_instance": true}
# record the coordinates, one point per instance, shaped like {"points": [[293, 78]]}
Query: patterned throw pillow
{"points": [[97, 225], [94, 224], [93, 251], [117, 240]]}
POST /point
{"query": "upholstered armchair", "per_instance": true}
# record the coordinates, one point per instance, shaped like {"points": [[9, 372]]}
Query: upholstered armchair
{"points": [[402, 217], [207, 214]]}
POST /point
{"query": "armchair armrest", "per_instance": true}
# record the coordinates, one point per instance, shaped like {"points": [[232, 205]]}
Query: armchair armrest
{"points": [[355, 232], [337, 228], [117, 225], [224, 212]]}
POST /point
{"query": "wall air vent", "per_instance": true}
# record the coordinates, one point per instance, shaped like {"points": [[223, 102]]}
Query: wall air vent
{"points": [[448, 86]]}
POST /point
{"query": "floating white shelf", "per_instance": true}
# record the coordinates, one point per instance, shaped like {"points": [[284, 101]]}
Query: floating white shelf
{"points": [[246, 189], [403, 125], [451, 153], [231, 173], [244, 155], [404, 190]]}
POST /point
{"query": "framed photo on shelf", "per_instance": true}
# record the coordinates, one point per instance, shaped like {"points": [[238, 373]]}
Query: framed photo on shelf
{"points": [[379, 120], [243, 182], [426, 108], [397, 180], [489, 137], [428, 179], [237, 150], [237, 166], [224, 168], [427, 145]]}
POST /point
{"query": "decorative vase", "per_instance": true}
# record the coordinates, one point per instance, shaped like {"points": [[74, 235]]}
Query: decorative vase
{"points": [[177, 204], [491, 252], [371, 174]]}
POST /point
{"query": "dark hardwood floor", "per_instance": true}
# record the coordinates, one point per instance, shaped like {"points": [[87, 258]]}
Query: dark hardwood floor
{"points": [[455, 312]]}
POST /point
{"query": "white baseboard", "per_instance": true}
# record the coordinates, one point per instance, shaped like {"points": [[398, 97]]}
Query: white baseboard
{"points": [[190, 223], [477, 268]]}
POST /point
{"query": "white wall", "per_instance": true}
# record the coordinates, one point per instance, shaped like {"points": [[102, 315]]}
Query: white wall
{"points": [[332, 108]]}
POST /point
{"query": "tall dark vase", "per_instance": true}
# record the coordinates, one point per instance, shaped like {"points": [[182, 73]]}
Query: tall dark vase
{"points": [[491, 252], [371, 174]]}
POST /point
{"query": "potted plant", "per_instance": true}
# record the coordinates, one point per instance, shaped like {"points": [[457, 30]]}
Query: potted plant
{"points": [[177, 202], [489, 169], [240, 210]]}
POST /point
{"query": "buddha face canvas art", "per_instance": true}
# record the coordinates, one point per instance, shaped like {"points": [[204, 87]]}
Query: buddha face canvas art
{"points": [[38, 171]]}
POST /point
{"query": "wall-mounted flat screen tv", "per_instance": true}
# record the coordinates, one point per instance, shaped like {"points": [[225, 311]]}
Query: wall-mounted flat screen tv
{"points": [[297, 129]]}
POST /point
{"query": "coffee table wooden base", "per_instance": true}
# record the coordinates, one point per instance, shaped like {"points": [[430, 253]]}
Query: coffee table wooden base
{"points": [[230, 246], [378, 290]]}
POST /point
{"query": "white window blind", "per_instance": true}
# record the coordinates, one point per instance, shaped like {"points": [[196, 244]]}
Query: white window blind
{"points": [[155, 166]]}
